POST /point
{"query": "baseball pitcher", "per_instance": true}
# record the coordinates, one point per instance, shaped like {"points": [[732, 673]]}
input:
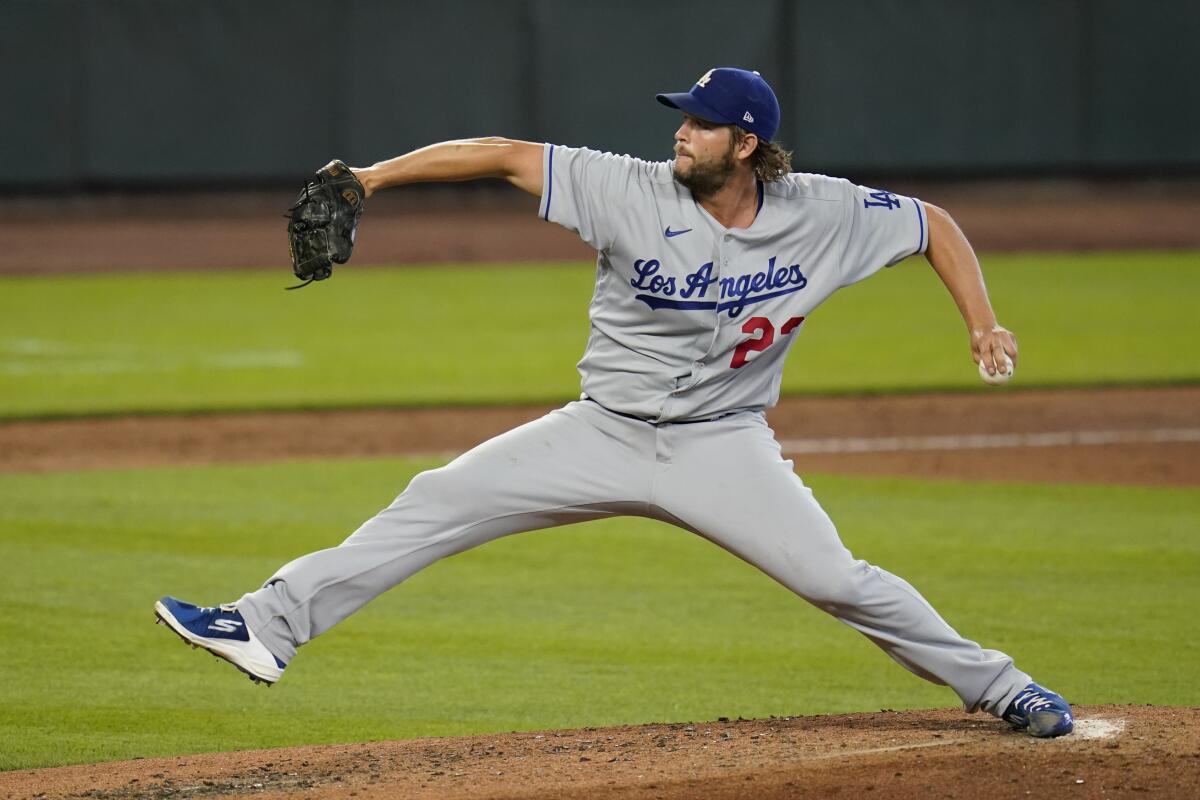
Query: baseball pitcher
{"points": [[707, 268]]}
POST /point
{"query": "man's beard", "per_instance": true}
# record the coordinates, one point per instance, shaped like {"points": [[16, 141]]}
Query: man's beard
{"points": [[706, 179]]}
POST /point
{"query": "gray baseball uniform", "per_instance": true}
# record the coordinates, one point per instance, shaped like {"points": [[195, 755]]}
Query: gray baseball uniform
{"points": [[690, 325]]}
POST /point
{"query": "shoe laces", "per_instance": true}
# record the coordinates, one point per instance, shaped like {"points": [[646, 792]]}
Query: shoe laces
{"points": [[1029, 701], [223, 608]]}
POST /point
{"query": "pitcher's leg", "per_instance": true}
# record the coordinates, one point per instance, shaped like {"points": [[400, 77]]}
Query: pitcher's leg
{"points": [[729, 482], [568, 466]]}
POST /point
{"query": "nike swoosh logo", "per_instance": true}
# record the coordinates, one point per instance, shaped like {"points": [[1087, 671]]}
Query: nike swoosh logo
{"points": [[670, 233]]}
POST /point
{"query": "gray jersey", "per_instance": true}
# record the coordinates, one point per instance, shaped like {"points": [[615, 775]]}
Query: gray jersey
{"points": [[692, 320]]}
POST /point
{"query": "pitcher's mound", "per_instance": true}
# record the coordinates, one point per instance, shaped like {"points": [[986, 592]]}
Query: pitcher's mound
{"points": [[1116, 751]]}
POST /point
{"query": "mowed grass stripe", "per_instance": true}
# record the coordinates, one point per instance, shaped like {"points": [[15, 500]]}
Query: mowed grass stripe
{"points": [[459, 334], [1091, 588]]}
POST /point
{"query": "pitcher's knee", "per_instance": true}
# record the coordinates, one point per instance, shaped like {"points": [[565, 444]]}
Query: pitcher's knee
{"points": [[833, 585], [424, 484], [422, 511], [432, 489]]}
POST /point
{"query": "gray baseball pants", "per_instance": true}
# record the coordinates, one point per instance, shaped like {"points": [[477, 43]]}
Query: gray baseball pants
{"points": [[725, 480]]}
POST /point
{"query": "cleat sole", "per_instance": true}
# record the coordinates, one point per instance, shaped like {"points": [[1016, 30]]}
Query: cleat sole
{"points": [[1046, 725], [160, 619]]}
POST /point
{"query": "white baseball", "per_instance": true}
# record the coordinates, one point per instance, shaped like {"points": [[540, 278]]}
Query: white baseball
{"points": [[1003, 373]]}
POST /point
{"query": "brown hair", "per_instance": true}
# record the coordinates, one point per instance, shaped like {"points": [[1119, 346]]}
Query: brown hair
{"points": [[770, 161]]}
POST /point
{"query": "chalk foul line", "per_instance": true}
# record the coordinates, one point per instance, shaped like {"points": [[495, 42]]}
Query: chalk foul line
{"points": [[986, 441]]}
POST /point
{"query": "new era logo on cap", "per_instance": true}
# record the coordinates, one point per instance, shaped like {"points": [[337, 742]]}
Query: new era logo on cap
{"points": [[731, 96]]}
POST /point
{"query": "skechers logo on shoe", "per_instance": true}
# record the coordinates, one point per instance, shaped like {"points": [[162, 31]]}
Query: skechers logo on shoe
{"points": [[225, 625]]}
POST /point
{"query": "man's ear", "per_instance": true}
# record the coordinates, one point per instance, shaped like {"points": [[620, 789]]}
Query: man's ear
{"points": [[748, 146]]}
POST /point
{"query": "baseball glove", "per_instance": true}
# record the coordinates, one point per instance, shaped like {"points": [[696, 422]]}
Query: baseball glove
{"points": [[322, 223]]}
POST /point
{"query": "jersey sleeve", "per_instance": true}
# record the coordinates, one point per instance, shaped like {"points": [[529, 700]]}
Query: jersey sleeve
{"points": [[585, 191], [881, 229]]}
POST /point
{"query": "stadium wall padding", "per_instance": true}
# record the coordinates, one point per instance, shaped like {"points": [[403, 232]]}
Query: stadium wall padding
{"points": [[174, 92]]}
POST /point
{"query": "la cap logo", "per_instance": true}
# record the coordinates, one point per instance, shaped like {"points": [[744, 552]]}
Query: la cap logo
{"points": [[705, 79]]}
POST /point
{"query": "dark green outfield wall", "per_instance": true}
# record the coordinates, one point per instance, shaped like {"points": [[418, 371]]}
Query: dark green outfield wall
{"points": [[158, 92]]}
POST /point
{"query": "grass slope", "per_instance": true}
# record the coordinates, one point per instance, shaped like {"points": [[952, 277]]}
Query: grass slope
{"points": [[117, 343], [1092, 588]]}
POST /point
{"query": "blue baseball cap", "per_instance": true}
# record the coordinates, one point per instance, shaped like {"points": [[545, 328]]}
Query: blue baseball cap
{"points": [[730, 96]]}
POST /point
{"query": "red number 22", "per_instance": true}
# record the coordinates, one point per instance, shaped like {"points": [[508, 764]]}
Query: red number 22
{"points": [[766, 336]]}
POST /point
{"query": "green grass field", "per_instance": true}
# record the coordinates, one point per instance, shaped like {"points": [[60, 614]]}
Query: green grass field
{"points": [[615, 622], [119, 343]]}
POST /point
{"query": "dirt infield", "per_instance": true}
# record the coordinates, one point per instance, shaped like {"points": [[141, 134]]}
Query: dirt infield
{"points": [[1116, 751], [1129, 436], [198, 231]]}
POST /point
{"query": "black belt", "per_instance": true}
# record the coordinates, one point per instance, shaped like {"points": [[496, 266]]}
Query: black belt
{"points": [[660, 422]]}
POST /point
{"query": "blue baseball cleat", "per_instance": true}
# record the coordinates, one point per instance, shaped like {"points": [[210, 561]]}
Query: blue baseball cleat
{"points": [[1040, 712], [221, 631]]}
